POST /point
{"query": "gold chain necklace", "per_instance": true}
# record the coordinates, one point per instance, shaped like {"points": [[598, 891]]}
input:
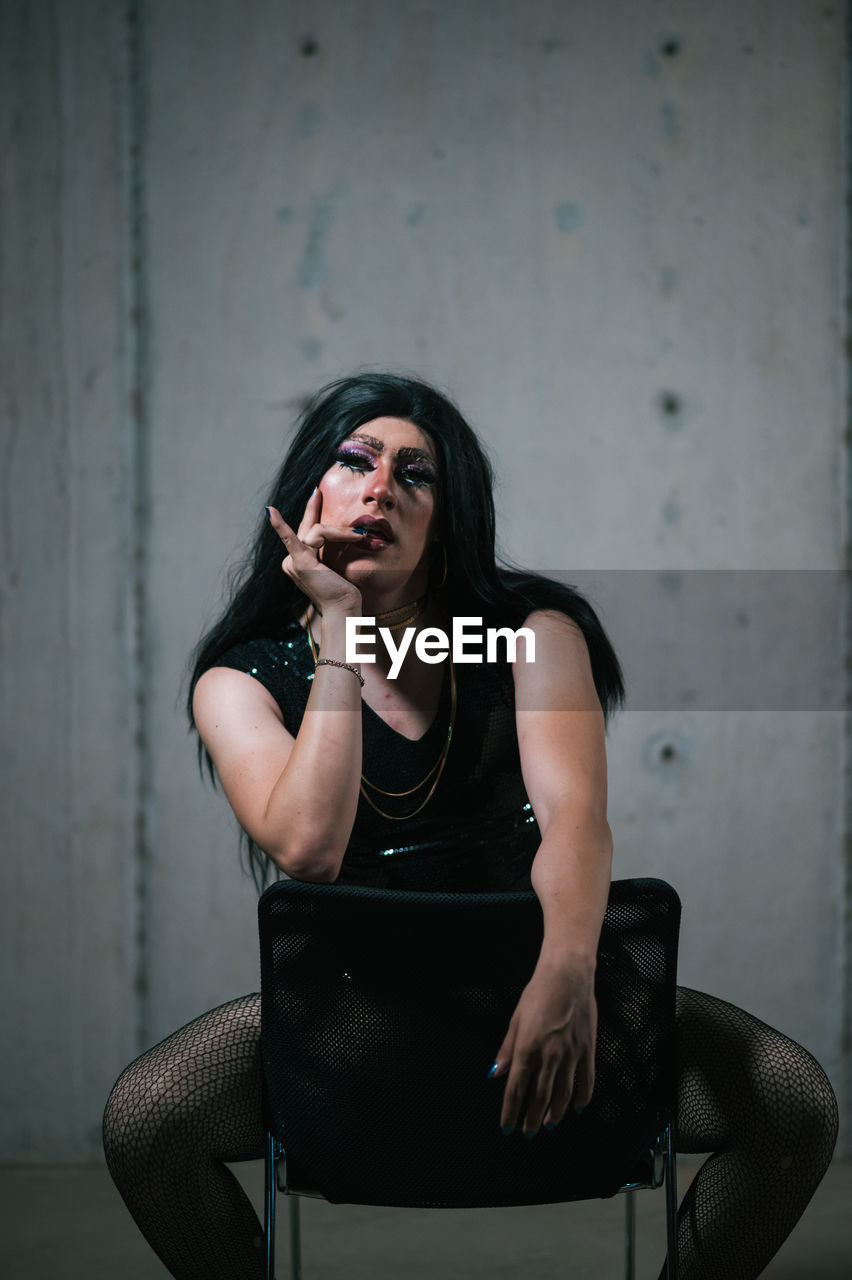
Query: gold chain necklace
{"points": [[438, 767], [411, 612]]}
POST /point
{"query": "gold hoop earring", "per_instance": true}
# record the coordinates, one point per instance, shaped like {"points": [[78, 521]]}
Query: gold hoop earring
{"points": [[438, 543]]}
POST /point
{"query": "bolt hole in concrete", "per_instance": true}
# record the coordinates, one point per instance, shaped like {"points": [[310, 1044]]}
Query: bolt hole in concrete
{"points": [[666, 753], [671, 47], [309, 47], [670, 403]]}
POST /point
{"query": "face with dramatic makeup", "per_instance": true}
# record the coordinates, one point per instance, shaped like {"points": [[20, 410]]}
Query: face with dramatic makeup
{"points": [[384, 481]]}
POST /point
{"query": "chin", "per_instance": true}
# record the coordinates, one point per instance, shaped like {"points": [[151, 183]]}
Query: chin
{"points": [[377, 580], [370, 572]]}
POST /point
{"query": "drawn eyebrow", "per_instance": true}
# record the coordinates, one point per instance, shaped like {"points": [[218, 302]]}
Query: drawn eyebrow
{"points": [[408, 451]]}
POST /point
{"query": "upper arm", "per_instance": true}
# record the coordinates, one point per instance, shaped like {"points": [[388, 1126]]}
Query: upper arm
{"points": [[561, 731], [241, 725]]}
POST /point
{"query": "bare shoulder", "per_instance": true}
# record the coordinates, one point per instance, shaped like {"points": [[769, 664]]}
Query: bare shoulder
{"points": [[559, 677], [231, 708], [551, 625], [226, 689]]}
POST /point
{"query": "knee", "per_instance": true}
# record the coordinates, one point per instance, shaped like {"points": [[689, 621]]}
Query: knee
{"points": [[118, 1120], [798, 1105], [129, 1121], [141, 1114], [819, 1108]]}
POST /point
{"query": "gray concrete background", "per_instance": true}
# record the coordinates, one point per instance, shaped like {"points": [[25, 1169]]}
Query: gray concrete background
{"points": [[359, 1241], [615, 230]]}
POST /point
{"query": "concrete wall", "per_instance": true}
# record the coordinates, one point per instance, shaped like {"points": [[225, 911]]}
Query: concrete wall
{"points": [[67, 610], [615, 231]]}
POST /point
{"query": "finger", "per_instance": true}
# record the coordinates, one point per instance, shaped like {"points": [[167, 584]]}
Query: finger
{"points": [[539, 1094], [503, 1060], [584, 1082], [299, 557], [517, 1083], [280, 525], [503, 1064], [294, 542], [319, 534], [312, 512], [560, 1097]]}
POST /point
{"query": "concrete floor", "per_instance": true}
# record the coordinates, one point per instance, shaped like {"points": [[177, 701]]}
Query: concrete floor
{"points": [[70, 1224]]}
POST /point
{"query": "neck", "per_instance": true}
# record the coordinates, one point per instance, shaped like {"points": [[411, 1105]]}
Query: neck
{"points": [[429, 614], [385, 594], [402, 615]]}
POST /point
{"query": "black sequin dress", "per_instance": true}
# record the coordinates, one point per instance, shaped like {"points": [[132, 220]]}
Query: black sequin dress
{"points": [[477, 833]]}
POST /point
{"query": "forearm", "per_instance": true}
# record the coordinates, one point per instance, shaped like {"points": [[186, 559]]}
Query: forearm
{"points": [[555, 1021], [571, 876], [311, 809]]}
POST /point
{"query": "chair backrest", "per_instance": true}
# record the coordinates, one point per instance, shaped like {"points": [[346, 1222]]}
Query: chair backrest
{"points": [[382, 1011]]}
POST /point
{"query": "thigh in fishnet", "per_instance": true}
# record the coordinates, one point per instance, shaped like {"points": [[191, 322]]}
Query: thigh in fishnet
{"points": [[755, 1099], [765, 1109], [174, 1117]]}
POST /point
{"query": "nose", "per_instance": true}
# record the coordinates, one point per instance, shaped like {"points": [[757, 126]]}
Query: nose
{"points": [[378, 485]]}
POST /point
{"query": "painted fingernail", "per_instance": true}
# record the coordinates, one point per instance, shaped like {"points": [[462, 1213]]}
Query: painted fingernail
{"points": [[492, 1071], [529, 1134], [507, 1129], [580, 1110], [550, 1126], [268, 513]]}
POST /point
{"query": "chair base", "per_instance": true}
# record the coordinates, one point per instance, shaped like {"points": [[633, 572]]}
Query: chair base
{"points": [[664, 1173]]}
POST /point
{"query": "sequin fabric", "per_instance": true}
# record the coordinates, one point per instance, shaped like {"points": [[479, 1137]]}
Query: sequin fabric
{"points": [[478, 832]]}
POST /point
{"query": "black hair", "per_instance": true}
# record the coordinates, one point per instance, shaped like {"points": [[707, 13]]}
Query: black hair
{"points": [[263, 598]]}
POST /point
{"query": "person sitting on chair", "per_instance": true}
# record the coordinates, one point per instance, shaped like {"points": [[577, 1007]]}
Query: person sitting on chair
{"points": [[372, 754]]}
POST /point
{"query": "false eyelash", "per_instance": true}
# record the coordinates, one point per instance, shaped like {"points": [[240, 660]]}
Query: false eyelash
{"points": [[418, 477], [346, 457]]}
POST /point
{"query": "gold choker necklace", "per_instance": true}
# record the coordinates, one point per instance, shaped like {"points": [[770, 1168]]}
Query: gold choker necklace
{"points": [[410, 612]]}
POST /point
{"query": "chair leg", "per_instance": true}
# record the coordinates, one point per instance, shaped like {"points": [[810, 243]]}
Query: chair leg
{"points": [[671, 1206], [630, 1235], [295, 1239], [269, 1207]]}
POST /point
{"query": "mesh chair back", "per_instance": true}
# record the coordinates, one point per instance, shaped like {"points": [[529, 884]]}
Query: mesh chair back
{"points": [[382, 1012]]}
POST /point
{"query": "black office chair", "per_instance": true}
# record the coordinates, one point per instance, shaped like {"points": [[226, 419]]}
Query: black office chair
{"points": [[381, 1014]]}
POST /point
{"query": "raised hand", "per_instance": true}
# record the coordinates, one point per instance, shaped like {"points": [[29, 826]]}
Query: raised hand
{"points": [[323, 586]]}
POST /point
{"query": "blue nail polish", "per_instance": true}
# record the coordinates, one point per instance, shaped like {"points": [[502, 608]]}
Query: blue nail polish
{"points": [[492, 1071], [529, 1134], [579, 1110], [550, 1126], [507, 1129], [268, 513]]}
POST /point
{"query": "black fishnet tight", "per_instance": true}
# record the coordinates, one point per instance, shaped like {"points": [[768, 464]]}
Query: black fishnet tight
{"points": [[174, 1117], [757, 1100], [765, 1109]]}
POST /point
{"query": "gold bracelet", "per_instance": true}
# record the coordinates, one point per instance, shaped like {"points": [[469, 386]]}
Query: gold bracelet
{"points": [[331, 662]]}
